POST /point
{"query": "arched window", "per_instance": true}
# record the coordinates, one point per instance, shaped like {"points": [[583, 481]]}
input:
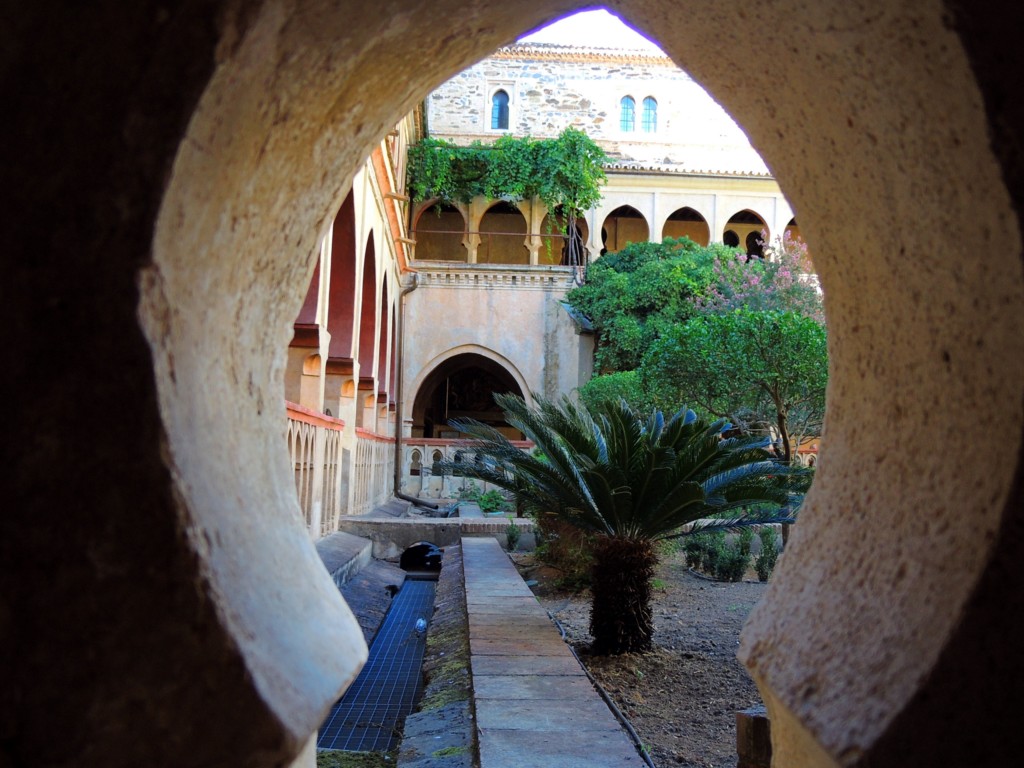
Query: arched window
{"points": [[649, 121], [499, 111], [627, 113]]}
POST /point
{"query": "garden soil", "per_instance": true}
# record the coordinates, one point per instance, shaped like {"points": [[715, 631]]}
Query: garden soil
{"points": [[682, 697]]}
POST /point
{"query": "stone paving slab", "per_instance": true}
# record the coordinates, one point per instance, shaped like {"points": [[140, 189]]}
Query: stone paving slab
{"points": [[532, 749], [507, 687], [524, 629], [535, 706], [525, 665], [488, 603], [513, 646], [534, 715], [535, 619]]}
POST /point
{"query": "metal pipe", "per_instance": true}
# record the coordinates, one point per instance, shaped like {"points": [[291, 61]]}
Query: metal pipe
{"points": [[400, 384], [417, 501]]}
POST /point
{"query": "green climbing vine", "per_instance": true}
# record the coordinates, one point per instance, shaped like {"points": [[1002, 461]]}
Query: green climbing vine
{"points": [[565, 173]]}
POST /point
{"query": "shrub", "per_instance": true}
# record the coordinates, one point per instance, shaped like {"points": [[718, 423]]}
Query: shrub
{"points": [[566, 548], [745, 537], [512, 533], [765, 561], [491, 501], [693, 546], [732, 563]]}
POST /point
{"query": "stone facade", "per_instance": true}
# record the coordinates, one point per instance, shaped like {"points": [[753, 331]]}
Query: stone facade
{"points": [[551, 87]]}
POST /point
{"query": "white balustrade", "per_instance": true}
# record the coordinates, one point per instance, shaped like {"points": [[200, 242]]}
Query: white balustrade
{"points": [[372, 471], [315, 448]]}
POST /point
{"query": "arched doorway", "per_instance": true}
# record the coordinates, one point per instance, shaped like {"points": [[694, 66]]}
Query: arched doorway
{"points": [[440, 231], [503, 236], [569, 246], [462, 387]]}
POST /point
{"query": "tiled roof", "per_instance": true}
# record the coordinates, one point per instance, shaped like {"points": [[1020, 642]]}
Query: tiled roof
{"points": [[555, 51]]}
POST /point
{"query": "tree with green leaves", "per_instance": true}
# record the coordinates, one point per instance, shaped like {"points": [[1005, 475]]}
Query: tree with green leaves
{"points": [[635, 295], [760, 369], [631, 481]]}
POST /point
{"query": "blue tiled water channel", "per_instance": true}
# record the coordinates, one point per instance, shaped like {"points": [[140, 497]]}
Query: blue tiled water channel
{"points": [[368, 717]]}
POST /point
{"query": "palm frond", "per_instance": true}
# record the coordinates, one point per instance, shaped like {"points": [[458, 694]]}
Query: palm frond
{"points": [[613, 471]]}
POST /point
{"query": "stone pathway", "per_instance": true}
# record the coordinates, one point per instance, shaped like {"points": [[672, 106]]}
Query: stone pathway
{"points": [[535, 707]]}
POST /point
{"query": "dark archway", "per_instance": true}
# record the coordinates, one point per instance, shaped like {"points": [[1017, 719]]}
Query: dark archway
{"points": [[421, 557], [750, 229], [462, 387]]}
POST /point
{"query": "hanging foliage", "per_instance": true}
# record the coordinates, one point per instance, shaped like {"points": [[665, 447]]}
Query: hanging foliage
{"points": [[564, 173]]}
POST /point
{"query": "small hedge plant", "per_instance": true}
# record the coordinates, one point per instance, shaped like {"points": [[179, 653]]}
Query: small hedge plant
{"points": [[709, 553]]}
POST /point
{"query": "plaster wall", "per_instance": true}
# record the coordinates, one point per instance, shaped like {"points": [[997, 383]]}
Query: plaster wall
{"points": [[524, 328]]}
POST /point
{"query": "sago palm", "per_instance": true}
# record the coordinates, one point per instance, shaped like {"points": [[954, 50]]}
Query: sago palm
{"points": [[632, 480]]}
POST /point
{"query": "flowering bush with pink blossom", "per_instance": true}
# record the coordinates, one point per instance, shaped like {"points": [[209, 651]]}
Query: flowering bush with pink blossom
{"points": [[783, 281]]}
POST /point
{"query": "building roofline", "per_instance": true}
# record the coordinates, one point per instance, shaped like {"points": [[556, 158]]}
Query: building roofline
{"points": [[559, 52], [621, 168]]}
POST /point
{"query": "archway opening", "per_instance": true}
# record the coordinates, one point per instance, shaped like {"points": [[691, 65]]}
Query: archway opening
{"points": [[749, 231], [890, 496], [503, 236], [463, 387], [687, 222], [423, 557], [440, 231], [623, 226], [559, 243]]}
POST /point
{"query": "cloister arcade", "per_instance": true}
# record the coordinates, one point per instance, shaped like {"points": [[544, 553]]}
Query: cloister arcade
{"points": [[636, 207]]}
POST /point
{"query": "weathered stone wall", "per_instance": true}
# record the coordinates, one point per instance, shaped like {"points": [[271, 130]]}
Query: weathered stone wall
{"points": [[553, 87]]}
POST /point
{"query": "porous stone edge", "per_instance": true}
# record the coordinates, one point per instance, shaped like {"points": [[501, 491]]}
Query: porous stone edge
{"points": [[441, 733]]}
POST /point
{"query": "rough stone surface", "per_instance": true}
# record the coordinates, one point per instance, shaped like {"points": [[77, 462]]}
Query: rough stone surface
{"points": [[441, 733], [343, 555], [152, 505]]}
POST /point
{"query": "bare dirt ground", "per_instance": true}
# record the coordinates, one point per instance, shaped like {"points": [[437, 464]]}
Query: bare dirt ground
{"points": [[682, 697]]}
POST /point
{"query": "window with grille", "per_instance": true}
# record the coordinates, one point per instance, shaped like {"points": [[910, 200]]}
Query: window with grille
{"points": [[627, 113], [499, 111], [649, 121]]}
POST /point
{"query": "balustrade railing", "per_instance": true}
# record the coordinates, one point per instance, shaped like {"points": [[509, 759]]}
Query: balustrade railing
{"points": [[315, 448], [372, 471], [419, 455]]}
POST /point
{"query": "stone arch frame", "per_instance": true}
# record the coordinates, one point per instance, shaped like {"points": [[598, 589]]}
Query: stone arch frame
{"points": [[423, 209], [605, 216], [706, 221], [742, 229], [504, 242], [911, 708], [462, 349]]}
